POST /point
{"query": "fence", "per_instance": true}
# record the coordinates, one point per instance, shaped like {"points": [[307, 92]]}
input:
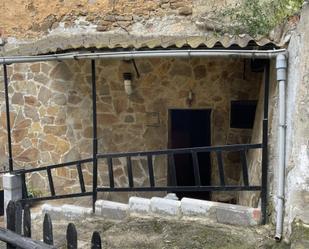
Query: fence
{"points": [[18, 232]]}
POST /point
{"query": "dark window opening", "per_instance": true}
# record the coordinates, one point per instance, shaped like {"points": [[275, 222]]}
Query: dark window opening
{"points": [[243, 114], [258, 65]]}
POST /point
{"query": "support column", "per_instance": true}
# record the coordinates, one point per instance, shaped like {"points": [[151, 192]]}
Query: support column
{"points": [[94, 138], [12, 185], [264, 194], [8, 122]]}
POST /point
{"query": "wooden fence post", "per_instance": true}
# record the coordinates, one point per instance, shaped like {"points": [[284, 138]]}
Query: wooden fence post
{"points": [[10, 219], [27, 221], [48, 230], [96, 241], [18, 217], [71, 237]]}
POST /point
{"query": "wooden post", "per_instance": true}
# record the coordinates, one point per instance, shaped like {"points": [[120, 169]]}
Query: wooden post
{"points": [[10, 220], [18, 217], [27, 221], [48, 230], [96, 241], [71, 237]]}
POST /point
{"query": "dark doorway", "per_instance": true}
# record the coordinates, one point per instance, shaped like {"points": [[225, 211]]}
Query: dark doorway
{"points": [[190, 128]]}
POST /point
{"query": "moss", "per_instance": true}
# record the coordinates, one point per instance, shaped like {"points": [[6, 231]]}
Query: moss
{"points": [[258, 17], [300, 232]]}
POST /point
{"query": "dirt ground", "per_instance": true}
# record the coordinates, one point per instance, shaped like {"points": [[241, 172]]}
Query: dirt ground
{"points": [[155, 233], [162, 233]]}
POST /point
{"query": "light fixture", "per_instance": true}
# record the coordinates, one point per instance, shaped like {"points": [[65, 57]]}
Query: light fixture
{"points": [[127, 80], [190, 97]]}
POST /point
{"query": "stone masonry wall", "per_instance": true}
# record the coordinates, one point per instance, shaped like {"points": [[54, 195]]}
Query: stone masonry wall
{"points": [[52, 120]]}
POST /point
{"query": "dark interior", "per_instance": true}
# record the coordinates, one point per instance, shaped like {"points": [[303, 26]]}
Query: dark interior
{"points": [[191, 128], [243, 114]]}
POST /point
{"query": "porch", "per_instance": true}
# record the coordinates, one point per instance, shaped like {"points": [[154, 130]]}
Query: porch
{"points": [[124, 144]]}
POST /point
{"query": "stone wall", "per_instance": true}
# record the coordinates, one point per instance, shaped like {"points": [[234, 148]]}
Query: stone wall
{"points": [[34, 19], [51, 114]]}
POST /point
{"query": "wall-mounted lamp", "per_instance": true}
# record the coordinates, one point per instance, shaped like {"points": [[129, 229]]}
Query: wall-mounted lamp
{"points": [[127, 79], [190, 97]]}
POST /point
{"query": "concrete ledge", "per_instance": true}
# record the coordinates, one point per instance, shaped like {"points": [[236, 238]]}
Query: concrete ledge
{"points": [[139, 205], [111, 209], [164, 206]]}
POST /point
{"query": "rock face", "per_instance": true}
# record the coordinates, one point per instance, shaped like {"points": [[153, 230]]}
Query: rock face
{"points": [[36, 20], [53, 122]]}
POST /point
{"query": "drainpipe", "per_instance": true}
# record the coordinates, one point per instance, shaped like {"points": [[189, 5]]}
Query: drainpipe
{"points": [[129, 55], [281, 66]]}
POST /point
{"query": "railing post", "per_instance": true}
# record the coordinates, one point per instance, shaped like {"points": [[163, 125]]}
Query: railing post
{"points": [[265, 146], [12, 185], [8, 121], [95, 139]]}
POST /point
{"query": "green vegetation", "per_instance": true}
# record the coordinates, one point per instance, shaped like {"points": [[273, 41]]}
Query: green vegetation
{"points": [[32, 193], [258, 17]]}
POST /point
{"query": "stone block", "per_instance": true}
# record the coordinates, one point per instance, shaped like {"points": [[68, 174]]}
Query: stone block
{"points": [[54, 212], [221, 212], [11, 181], [163, 206], [194, 207], [237, 215], [232, 217], [139, 205], [66, 211], [12, 188], [75, 211], [111, 210]]}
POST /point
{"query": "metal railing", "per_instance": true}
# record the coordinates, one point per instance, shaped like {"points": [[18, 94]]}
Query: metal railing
{"points": [[53, 195], [170, 153], [172, 187]]}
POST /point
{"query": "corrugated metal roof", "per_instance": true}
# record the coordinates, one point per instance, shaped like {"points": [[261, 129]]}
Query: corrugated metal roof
{"points": [[63, 42]]}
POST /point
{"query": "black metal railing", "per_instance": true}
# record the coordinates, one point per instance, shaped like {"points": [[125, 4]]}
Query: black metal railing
{"points": [[53, 195], [173, 186], [170, 153]]}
